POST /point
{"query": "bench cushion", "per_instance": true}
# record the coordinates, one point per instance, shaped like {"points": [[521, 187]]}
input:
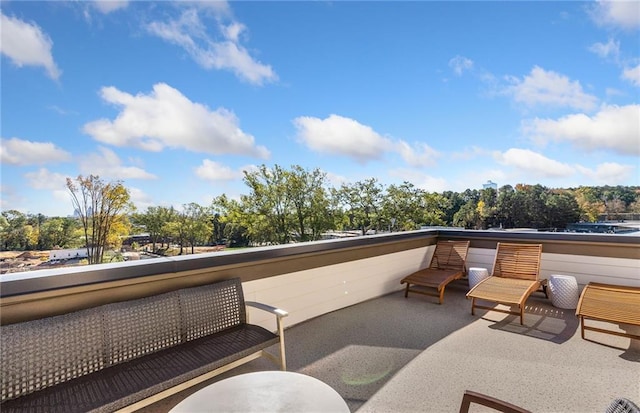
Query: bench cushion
{"points": [[122, 384]]}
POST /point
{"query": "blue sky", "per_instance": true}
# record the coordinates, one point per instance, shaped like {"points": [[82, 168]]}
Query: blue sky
{"points": [[176, 99]]}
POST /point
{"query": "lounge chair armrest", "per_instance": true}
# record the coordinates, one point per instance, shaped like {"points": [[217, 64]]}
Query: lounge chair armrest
{"points": [[278, 312]]}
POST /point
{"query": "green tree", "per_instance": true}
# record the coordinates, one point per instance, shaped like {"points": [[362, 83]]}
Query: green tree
{"points": [[590, 202], [506, 207], [232, 220], [98, 205], [362, 202], [58, 233], [453, 201], [402, 207], [15, 236], [562, 209], [432, 208], [153, 221], [467, 216], [310, 202], [195, 225], [269, 200]]}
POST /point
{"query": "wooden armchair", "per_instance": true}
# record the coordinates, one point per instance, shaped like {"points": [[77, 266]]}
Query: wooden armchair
{"points": [[484, 400], [514, 277], [447, 264]]}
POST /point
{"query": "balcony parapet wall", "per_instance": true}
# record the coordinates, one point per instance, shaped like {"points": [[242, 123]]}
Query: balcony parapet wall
{"points": [[37, 294]]}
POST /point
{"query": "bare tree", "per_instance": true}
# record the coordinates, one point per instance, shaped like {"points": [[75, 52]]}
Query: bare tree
{"points": [[98, 205]]}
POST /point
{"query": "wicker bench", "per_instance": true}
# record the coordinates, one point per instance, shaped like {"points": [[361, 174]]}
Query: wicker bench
{"points": [[124, 356], [612, 303]]}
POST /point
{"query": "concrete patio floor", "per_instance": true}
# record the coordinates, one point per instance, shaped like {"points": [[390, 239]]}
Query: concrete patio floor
{"points": [[393, 354]]}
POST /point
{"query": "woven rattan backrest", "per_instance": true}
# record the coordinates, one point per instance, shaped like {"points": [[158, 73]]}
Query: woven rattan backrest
{"points": [[520, 261], [40, 353], [212, 308], [450, 255], [143, 326]]}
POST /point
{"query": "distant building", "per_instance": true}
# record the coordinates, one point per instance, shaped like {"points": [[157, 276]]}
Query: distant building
{"points": [[69, 254], [491, 185]]}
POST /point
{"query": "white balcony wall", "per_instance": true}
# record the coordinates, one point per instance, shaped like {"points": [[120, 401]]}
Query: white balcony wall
{"points": [[588, 269], [311, 293]]}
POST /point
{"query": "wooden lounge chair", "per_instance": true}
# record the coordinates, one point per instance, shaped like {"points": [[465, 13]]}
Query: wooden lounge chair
{"points": [[447, 264], [613, 303], [513, 279], [488, 401]]}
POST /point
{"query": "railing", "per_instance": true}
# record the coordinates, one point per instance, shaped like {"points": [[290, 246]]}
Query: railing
{"points": [[309, 279]]}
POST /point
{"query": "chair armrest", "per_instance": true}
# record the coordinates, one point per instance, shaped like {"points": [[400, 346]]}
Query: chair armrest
{"points": [[491, 402], [280, 313]]}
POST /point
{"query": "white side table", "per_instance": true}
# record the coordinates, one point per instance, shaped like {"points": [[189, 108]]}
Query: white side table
{"points": [[265, 391], [476, 275], [563, 291]]}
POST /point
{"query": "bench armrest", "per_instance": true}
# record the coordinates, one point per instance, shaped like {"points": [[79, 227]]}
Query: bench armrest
{"points": [[280, 313]]}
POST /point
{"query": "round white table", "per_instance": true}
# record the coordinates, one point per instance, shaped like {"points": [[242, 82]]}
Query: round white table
{"points": [[265, 391]]}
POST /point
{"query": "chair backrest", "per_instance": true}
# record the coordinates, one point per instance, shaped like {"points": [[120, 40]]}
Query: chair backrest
{"points": [[520, 261], [450, 255]]}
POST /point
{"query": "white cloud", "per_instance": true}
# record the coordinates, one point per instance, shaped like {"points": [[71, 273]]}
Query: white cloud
{"points": [[542, 87], [632, 75], [45, 179], [610, 50], [233, 31], [214, 171], [459, 64], [58, 201], [613, 92], [227, 53], [533, 163], [470, 153], [108, 165], [140, 199], [27, 45], [166, 118], [335, 180], [614, 128], [420, 155], [617, 13], [421, 180], [609, 173], [108, 6], [21, 152], [10, 197], [337, 135]]}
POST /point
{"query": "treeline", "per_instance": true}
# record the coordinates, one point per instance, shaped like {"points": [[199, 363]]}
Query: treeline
{"points": [[297, 205]]}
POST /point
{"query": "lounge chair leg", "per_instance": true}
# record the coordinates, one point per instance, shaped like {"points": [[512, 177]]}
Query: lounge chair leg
{"points": [[406, 291], [473, 304], [441, 296], [521, 315]]}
